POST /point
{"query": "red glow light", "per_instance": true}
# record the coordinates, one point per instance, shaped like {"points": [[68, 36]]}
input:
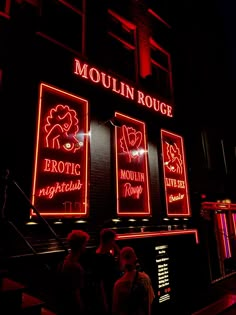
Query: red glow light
{"points": [[159, 233], [174, 169], [218, 206], [109, 82], [132, 180], [122, 20], [153, 13], [61, 154]]}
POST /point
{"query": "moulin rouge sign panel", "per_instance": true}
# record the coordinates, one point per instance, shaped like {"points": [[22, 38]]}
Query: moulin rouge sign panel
{"points": [[174, 167], [61, 157], [132, 180]]}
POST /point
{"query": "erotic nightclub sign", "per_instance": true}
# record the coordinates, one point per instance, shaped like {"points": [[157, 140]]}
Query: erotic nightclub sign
{"points": [[174, 170], [132, 180], [61, 154]]}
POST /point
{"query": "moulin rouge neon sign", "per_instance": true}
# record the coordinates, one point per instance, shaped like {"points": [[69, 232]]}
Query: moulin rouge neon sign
{"points": [[132, 184], [109, 82], [176, 188], [61, 166]]}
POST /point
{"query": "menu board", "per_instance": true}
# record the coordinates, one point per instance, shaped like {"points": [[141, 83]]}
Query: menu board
{"points": [[163, 273], [132, 180], [175, 179], [61, 154]]}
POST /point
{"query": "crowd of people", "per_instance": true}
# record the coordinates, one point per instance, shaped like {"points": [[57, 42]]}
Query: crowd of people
{"points": [[110, 284]]}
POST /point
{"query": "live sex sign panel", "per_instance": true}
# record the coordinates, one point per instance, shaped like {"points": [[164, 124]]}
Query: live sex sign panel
{"points": [[175, 179], [132, 180], [61, 155]]}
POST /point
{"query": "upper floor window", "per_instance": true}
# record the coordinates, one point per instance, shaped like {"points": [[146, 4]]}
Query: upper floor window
{"points": [[64, 22], [161, 73], [160, 30], [121, 47], [214, 151], [5, 8]]}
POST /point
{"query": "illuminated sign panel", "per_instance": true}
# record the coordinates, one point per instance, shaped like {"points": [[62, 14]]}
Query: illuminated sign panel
{"points": [[61, 157], [222, 233], [176, 187], [113, 84], [132, 180], [163, 273]]}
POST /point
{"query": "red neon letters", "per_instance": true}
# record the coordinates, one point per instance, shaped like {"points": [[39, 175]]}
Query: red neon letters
{"points": [[61, 166], [176, 189], [131, 167], [96, 76]]}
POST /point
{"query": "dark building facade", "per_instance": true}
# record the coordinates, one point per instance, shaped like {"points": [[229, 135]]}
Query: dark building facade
{"points": [[108, 119], [115, 48], [204, 103]]}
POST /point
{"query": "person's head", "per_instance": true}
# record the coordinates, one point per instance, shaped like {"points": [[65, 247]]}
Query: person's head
{"points": [[77, 240], [128, 258], [107, 237]]}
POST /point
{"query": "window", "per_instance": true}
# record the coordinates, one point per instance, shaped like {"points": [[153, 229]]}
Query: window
{"points": [[63, 21], [161, 76], [5, 7], [160, 30], [121, 46], [229, 155], [214, 151]]}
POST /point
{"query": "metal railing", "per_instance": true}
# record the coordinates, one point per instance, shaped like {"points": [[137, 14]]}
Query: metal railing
{"points": [[6, 180]]}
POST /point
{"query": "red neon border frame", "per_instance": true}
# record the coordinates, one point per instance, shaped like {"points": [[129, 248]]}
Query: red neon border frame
{"points": [[126, 236], [60, 214], [185, 176], [120, 115], [223, 234]]}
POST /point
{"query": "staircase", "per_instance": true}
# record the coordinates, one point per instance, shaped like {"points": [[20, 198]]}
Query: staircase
{"points": [[20, 295], [30, 254], [15, 300]]}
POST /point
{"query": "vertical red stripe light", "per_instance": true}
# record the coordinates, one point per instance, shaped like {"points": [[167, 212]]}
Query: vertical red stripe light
{"points": [[223, 235]]}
